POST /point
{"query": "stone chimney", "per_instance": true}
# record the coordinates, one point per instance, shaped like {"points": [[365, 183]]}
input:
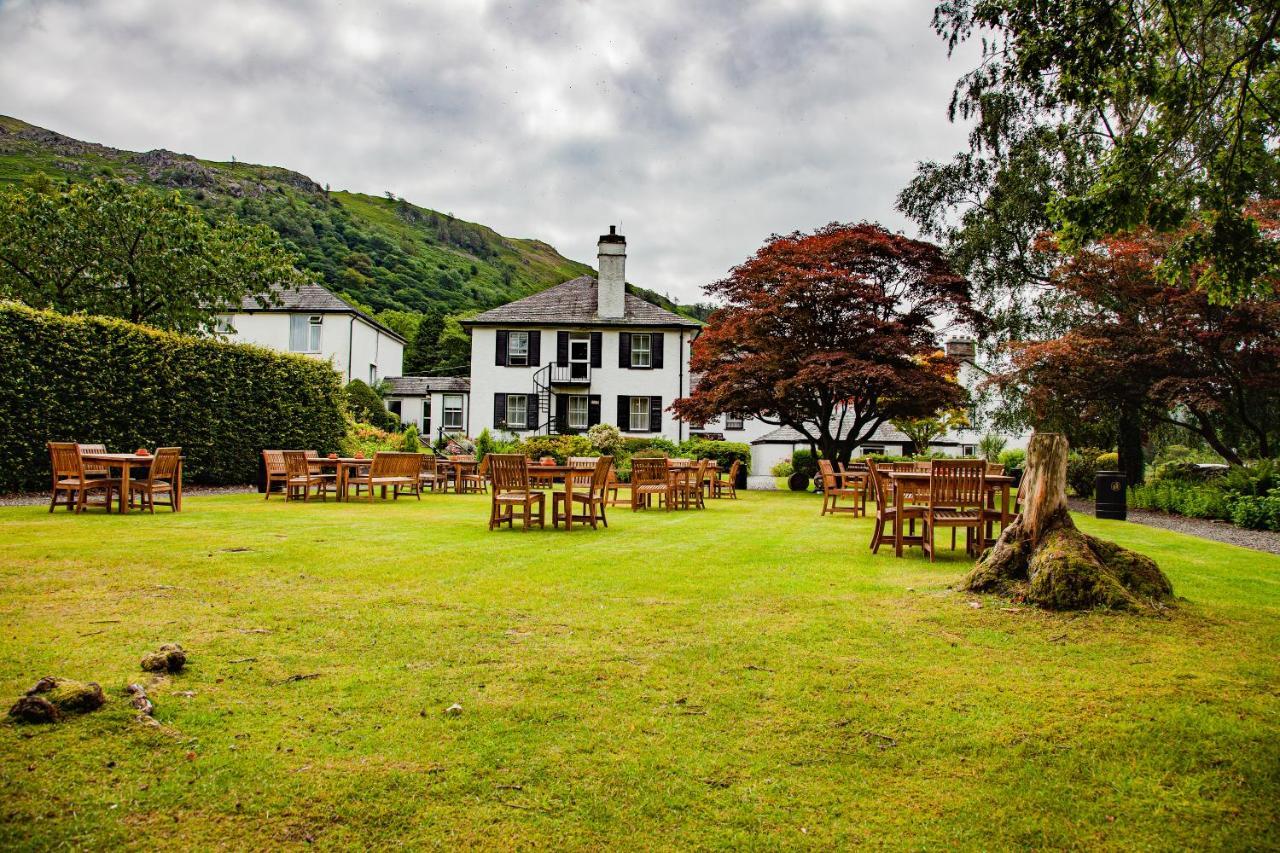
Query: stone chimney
{"points": [[611, 286], [962, 349]]}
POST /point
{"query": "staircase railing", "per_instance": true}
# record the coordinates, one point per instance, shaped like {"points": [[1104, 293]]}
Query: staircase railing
{"points": [[546, 408]]}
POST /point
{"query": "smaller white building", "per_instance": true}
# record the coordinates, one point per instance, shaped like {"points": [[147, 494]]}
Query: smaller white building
{"points": [[312, 321], [436, 405]]}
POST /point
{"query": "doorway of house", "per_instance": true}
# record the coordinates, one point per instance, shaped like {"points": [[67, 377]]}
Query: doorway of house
{"points": [[579, 356]]}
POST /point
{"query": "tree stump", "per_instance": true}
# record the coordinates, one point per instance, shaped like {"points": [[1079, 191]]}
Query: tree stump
{"points": [[1044, 559]]}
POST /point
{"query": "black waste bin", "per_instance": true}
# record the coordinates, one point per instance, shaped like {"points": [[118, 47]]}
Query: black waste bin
{"points": [[1110, 495]]}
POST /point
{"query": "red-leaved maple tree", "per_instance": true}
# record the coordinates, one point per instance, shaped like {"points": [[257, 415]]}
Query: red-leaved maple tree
{"points": [[832, 334], [1145, 350]]}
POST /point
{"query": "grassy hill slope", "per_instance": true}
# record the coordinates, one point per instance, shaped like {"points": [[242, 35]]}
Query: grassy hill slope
{"points": [[382, 253]]}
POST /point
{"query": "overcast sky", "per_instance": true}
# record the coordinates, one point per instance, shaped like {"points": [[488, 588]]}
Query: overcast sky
{"points": [[700, 127]]}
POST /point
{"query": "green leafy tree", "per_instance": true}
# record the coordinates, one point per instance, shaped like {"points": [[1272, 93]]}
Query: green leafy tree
{"points": [[105, 247], [923, 431], [1099, 116], [366, 406]]}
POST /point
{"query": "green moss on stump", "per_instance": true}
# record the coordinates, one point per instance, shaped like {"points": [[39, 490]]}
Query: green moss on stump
{"points": [[52, 698]]}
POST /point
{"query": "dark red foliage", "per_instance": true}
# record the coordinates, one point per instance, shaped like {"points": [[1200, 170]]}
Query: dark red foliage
{"points": [[831, 333]]}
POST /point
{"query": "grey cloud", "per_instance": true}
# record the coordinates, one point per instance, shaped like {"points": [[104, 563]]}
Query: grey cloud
{"points": [[702, 127]]}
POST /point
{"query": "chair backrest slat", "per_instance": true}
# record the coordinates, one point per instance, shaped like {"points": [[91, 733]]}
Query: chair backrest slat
{"points": [[600, 476], [295, 463], [648, 471], [879, 485], [510, 472], [92, 467], [959, 483], [274, 460]]}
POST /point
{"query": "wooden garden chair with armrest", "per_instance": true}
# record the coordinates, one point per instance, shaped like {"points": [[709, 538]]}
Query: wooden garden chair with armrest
{"points": [[690, 486], [511, 489], [886, 512], [957, 497], [69, 478], [833, 491], [162, 480], [391, 470], [301, 477], [649, 478], [727, 484], [589, 489], [854, 476], [430, 473]]}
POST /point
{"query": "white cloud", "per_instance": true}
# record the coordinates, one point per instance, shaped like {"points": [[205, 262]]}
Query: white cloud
{"points": [[701, 127]]}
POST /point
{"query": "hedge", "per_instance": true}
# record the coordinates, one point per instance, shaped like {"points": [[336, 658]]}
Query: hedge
{"points": [[106, 381]]}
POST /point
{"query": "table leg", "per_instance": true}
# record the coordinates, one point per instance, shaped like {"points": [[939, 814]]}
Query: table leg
{"points": [[177, 489], [897, 519], [124, 487], [568, 502]]}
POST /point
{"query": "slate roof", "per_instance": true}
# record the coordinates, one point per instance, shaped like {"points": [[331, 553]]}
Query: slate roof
{"points": [[574, 303], [884, 434], [420, 386], [315, 299]]}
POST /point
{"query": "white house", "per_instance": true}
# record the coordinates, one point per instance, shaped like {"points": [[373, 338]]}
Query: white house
{"points": [[581, 353], [312, 321], [436, 405]]}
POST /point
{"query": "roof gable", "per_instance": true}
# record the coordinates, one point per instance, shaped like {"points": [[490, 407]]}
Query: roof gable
{"points": [[316, 299], [574, 303]]}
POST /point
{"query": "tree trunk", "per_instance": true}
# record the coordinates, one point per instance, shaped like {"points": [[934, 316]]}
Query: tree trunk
{"points": [[1043, 558], [1129, 443]]}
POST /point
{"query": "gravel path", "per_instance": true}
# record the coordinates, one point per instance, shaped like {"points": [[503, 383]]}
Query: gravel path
{"points": [[1218, 531], [35, 498]]}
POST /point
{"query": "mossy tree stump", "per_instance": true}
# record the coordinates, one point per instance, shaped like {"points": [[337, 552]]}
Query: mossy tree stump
{"points": [[1043, 558]]}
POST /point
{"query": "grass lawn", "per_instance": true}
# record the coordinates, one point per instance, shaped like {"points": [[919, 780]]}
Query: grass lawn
{"points": [[747, 676]]}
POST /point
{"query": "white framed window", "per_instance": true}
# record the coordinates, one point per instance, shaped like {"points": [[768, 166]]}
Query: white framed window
{"points": [[578, 412], [452, 412], [873, 450], [641, 353], [968, 450], [518, 349], [639, 413], [518, 411], [222, 325], [373, 375], [304, 333], [732, 422]]}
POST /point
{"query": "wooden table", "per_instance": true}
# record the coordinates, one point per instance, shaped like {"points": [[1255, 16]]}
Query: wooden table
{"points": [[904, 481], [459, 467], [126, 462], [540, 472]]}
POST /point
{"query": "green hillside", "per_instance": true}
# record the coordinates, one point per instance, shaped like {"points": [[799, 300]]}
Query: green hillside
{"points": [[382, 253]]}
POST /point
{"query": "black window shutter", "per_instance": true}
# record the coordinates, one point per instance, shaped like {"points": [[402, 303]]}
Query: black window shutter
{"points": [[535, 348], [655, 414], [624, 350], [562, 412], [597, 344], [624, 413], [593, 409], [562, 349], [500, 411], [531, 417], [655, 345], [501, 359]]}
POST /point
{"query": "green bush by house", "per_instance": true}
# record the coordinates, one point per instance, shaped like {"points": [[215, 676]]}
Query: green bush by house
{"points": [[98, 380]]}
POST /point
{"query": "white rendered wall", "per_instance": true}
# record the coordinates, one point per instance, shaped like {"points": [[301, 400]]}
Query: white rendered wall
{"points": [[339, 336]]}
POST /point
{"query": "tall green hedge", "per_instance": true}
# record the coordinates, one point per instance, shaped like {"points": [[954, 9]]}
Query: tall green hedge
{"points": [[98, 380]]}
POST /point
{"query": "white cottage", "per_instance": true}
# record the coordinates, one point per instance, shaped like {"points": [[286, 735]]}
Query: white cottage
{"points": [[312, 321], [581, 353], [436, 405]]}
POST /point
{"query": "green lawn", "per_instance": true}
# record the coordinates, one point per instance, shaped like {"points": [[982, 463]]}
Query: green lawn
{"points": [[748, 676]]}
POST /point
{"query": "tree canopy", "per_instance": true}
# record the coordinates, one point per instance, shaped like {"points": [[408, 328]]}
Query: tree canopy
{"points": [[1094, 117], [831, 333], [1143, 348], [105, 247]]}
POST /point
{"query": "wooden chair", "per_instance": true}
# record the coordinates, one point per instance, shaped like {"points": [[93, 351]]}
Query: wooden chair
{"points": [[430, 473], [728, 484], [615, 488], [689, 486], [995, 469], [477, 482], [162, 479], [882, 490], [833, 490], [273, 463], [69, 478], [649, 478], [510, 472], [588, 489], [957, 497], [93, 469], [394, 470], [301, 477]]}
